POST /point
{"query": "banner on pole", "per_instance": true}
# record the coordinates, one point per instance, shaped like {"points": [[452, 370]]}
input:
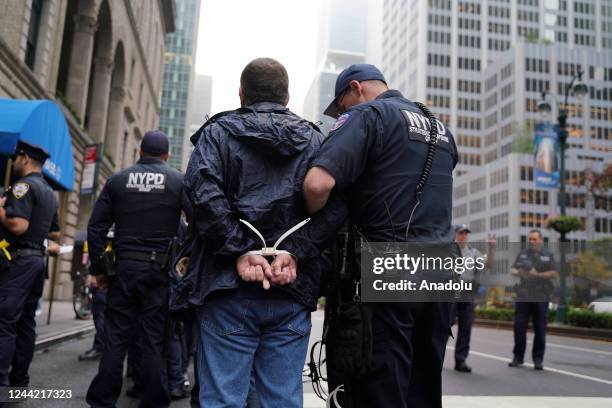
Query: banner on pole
{"points": [[546, 156]]}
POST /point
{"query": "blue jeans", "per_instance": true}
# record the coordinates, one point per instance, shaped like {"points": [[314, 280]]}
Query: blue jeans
{"points": [[257, 332]]}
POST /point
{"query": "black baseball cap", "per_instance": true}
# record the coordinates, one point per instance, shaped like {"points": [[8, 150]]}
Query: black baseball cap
{"points": [[462, 228], [356, 72], [155, 142], [36, 152]]}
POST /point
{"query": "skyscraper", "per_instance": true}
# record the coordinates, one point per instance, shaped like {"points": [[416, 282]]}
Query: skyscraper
{"points": [[436, 50], [482, 66], [179, 74], [342, 42]]}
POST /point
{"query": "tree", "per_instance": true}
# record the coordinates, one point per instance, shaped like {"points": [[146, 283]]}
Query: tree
{"points": [[590, 266]]}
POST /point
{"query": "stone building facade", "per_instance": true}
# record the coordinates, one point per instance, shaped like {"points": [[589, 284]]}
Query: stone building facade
{"points": [[102, 62]]}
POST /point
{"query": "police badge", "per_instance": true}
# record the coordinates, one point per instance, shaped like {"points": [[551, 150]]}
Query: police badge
{"points": [[20, 190]]}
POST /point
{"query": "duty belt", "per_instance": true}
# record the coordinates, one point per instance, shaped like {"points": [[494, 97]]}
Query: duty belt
{"points": [[27, 252], [154, 257]]}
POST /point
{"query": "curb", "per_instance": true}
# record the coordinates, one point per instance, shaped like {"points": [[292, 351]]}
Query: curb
{"points": [[60, 337], [565, 331]]}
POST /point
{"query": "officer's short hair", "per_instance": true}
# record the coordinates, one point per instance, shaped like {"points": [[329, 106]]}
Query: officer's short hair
{"points": [[264, 80]]}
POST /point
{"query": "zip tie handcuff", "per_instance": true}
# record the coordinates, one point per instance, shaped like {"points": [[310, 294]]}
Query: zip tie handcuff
{"points": [[273, 251]]}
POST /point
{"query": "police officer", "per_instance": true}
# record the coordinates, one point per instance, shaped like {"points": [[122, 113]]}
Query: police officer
{"points": [[28, 215], [144, 202], [536, 268], [375, 153], [464, 311]]}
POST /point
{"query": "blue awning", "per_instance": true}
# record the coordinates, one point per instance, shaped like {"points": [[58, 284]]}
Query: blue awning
{"points": [[39, 122]]}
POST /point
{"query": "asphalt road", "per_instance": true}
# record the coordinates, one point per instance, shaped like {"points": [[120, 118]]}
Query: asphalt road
{"points": [[577, 373]]}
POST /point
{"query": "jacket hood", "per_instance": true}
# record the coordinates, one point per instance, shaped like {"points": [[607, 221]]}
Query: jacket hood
{"points": [[270, 128]]}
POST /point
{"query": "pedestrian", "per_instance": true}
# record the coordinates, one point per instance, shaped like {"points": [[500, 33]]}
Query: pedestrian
{"points": [[254, 315], [536, 268], [144, 202], [375, 155], [464, 311], [28, 216]]}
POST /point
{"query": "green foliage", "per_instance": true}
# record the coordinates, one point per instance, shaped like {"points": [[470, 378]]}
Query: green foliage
{"points": [[603, 249], [587, 318], [589, 265], [565, 223]]}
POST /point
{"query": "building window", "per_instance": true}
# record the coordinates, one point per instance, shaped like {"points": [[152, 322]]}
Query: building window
{"points": [[35, 18]]}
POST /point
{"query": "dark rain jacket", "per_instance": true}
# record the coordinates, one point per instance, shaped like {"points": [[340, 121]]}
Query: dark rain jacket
{"points": [[250, 164]]}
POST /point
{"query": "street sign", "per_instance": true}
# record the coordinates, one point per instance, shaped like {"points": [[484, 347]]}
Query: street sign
{"points": [[90, 167]]}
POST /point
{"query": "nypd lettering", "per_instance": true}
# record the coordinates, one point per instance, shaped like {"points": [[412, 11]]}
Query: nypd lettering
{"points": [[146, 182], [20, 190], [420, 128]]}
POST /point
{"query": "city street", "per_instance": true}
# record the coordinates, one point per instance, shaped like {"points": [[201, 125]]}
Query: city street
{"points": [[577, 373]]}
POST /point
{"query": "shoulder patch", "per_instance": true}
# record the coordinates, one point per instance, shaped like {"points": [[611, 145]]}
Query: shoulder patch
{"points": [[341, 121], [20, 190]]}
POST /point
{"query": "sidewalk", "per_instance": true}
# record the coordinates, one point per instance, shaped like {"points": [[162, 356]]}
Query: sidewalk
{"points": [[63, 323]]}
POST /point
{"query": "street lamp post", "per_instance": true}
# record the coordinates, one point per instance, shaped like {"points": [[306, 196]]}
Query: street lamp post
{"points": [[579, 89]]}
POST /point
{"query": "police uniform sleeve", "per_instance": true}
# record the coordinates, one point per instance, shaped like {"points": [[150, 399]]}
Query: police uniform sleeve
{"points": [[212, 213], [20, 201], [54, 223], [100, 222], [345, 151]]}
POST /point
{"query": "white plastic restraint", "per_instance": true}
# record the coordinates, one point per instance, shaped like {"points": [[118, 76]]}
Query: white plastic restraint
{"points": [[273, 251]]}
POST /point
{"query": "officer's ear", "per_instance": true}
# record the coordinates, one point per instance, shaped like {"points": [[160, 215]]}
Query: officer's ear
{"points": [[356, 86], [165, 157]]}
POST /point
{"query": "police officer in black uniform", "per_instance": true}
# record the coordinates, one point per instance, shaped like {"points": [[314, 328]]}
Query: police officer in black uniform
{"points": [[144, 202], [375, 153], [28, 215], [536, 268]]}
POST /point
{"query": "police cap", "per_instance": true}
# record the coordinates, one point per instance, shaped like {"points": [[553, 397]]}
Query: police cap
{"points": [[356, 72], [462, 228], [36, 152], [155, 142]]}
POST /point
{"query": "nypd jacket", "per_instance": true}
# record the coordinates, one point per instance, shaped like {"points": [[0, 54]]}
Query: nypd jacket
{"points": [[144, 202], [250, 164]]}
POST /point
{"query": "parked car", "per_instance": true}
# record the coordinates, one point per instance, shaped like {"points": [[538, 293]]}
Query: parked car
{"points": [[603, 304]]}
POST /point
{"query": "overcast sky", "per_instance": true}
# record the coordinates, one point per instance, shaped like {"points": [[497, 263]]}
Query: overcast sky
{"points": [[234, 32]]}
